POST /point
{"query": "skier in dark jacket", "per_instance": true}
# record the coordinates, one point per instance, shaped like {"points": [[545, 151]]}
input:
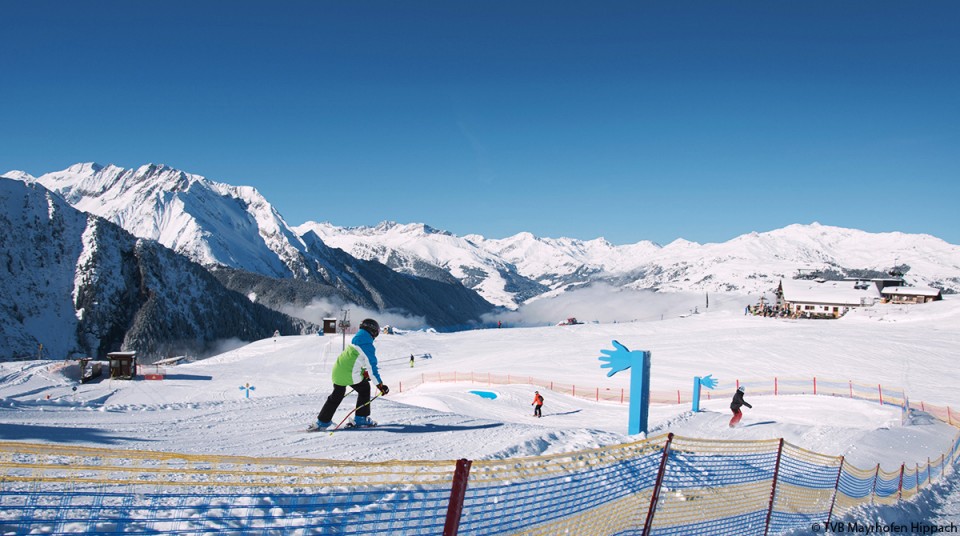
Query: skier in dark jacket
{"points": [[735, 405]]}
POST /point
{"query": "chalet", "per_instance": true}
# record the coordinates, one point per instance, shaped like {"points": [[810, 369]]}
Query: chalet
{"points": [[824, 299], [911, 294]]}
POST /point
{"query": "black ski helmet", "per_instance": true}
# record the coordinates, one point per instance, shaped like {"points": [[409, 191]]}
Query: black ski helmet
{"points": [[370, 326]]}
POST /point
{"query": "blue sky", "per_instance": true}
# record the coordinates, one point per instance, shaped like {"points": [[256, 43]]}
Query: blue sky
{"points": [[627, 120]]}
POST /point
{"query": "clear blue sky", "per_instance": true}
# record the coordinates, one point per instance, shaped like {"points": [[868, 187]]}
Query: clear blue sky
{"points": [[628, 120]]}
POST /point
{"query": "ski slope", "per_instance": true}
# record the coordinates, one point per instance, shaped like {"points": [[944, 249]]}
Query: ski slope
{"points": [[205, 407]]}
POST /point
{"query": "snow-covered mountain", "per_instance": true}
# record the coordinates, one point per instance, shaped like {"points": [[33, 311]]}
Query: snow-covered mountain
{"points": [[748, 264], [223, 226], [73, 284], [233, 228]]}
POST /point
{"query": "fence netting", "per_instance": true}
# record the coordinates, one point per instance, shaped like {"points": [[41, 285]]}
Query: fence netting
{"points": [[660, 486], [663, 485]]}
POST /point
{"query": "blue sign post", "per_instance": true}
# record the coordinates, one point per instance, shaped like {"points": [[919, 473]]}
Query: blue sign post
{"points": [[639, 360], [248, 388], [706, 381]]}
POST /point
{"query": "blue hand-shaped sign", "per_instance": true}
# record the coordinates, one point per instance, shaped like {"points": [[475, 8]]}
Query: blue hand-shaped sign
{"points": [[707, 381], [620, 359]]}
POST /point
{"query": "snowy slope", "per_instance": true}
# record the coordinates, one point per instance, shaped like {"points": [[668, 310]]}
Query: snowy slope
{"points": [[203, 407], [911, 346]]}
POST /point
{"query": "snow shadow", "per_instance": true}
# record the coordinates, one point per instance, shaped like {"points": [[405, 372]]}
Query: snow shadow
{"points": [[58, 434], [424, 428], [564, 413], [758, 423]]}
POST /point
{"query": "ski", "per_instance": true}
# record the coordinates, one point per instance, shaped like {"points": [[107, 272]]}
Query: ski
{"points": [[354, 425]]}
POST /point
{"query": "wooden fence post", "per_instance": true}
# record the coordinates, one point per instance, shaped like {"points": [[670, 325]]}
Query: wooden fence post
{"points": [[655, 497], [773, 489], [457, 493]]}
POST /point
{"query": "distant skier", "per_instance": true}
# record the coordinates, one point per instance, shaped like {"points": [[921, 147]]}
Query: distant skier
{"points": [[354, 368], [537, 404], [735, 406], [411, 360]]}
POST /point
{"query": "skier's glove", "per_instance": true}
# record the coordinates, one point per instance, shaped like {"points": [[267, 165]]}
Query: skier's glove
{"points": [[383, 389]]}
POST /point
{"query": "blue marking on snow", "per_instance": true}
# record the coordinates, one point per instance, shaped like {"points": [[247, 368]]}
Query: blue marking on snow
{"points": [[485, 394]]}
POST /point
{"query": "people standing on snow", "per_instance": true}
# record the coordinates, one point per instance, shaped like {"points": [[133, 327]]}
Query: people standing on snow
{"points": [[537, 404], [411, 362], [354, 368], [735, 406]]}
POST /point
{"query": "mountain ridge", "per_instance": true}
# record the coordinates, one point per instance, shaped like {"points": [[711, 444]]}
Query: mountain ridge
{"points": [[511, 271]]}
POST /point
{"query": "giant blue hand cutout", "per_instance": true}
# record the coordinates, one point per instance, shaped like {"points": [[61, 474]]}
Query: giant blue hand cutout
{"points": [[620, 359], [706, 381]]}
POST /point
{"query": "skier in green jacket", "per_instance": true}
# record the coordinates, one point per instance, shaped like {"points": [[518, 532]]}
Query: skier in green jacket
{"points": [[354, 368]]}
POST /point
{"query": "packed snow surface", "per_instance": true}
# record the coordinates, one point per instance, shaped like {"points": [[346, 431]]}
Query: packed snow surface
{"points": [[257, 400]]}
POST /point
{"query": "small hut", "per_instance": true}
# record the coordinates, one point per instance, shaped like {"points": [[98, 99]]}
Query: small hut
{"points": [[329, 325], [123, 365]]}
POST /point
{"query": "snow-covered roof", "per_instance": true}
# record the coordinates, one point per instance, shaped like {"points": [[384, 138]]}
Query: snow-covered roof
{"points": [[828, 292], [912, 291]]}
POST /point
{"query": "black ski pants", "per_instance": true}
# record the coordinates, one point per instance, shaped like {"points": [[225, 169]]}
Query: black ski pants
{"points": [[340, 391]]}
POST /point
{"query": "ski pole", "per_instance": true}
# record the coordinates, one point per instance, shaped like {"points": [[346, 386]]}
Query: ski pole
{"points": [[352, 412]]}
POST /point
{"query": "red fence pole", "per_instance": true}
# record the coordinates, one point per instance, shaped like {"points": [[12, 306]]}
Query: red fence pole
{"points": [[880, 389], [621, 395], [900, 485], [773, 489], [598, 394], [457, 493], [814, 385], [949, 418], [775, 386], [836, 489], [678, 396], [655, 497]]}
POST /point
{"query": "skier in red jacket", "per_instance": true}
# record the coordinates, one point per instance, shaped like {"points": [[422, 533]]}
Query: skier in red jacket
{"points": [[537, 404]]}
